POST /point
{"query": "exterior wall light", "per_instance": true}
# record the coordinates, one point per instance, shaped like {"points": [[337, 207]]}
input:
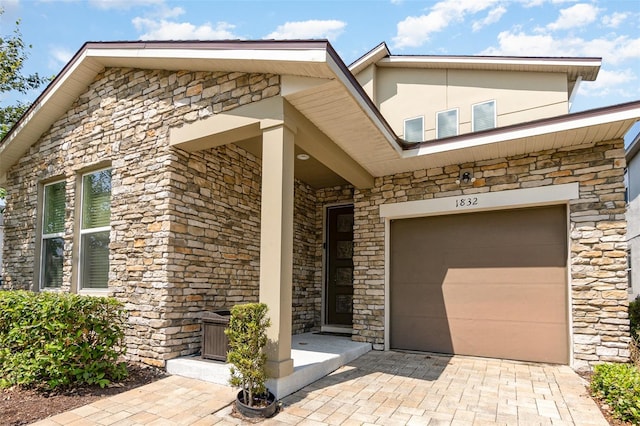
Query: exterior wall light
{"points": [[466, 177]]}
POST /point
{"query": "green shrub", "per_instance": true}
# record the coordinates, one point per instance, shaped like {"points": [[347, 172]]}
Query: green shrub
{"points": [[54, 339], [247, 333], [619, 386]]}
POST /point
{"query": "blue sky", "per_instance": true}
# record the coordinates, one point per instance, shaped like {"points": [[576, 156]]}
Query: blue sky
{"points": [[609, 29]]}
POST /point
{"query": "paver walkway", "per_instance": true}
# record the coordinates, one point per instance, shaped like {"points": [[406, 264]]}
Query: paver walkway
{"points": [[384, 388]]}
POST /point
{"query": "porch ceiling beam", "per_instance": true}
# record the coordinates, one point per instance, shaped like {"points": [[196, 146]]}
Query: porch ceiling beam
{"points": [[321, 147], [244, 122]]}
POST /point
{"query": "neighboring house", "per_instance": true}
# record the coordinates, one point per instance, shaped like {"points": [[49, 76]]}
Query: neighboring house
{"points": [[633, 215], [433, 203]]}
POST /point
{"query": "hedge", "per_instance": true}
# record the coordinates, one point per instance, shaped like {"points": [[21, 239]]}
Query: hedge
{"points": [[619, 386], [56, 339]]}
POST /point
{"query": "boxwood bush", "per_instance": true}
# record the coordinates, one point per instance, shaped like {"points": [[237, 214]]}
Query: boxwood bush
{"points": [[55, 339], [619, 386]]}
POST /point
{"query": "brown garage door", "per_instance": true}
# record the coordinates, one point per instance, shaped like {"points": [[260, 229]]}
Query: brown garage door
{"points": [[487, 284]]}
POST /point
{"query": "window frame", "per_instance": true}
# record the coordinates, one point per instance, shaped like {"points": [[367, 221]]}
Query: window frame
{"points": [[44, 236], [421, 117], [457, 120], [473, 115], [82, 232]]}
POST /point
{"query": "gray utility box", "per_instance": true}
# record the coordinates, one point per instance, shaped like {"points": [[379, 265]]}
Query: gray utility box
{"points": [[214, 342]]}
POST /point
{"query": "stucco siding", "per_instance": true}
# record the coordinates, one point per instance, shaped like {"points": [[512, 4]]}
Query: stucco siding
{"points": [[520, 96]]}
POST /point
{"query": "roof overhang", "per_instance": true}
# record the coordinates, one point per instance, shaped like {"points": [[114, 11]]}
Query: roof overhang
{"points": [[305, 59], [570, 130]]}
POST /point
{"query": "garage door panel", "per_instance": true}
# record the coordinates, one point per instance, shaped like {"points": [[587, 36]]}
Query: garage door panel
{"points": [[480, 275], [500, 340], [541, 303], [514, 254], [426, 301], [488, 284], [409, 332]]}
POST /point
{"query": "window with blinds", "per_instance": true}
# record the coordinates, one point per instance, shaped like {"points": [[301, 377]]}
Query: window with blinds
{"points": [[94, 232], [52, 252], [447, 123], [483, 116], [414, 129]]}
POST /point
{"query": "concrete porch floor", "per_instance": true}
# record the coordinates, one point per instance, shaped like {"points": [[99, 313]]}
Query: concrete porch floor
{"points": [[314, 356]]}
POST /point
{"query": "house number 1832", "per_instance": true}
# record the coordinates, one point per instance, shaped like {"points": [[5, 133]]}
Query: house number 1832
{"points": [[466, 202]]}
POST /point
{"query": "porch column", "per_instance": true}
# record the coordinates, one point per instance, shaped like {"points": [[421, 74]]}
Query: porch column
{"points": [[276, 245]]}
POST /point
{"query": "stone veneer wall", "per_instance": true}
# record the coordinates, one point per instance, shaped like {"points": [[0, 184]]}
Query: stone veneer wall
{"points": [[306, 297], [597, 238], [184, 225]]}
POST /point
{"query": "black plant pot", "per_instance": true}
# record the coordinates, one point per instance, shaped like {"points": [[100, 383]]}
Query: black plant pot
{"points": [[265, 410]]}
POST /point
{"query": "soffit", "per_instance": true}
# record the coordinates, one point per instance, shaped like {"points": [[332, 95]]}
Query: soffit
{"points": [[483, 148], [307, 59]]}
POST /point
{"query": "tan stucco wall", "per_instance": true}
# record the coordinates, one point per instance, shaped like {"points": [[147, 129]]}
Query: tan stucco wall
{"points": [[403, 93]]}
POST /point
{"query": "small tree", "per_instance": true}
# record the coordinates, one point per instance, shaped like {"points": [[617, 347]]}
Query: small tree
{"points": [[247, 338], [13, 54]]}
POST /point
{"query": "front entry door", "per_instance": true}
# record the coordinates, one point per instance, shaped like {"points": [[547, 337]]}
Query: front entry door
{"points": [[339, 267]]}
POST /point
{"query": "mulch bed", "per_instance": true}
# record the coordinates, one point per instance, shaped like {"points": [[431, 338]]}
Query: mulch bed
{"points": [[25, 406]]}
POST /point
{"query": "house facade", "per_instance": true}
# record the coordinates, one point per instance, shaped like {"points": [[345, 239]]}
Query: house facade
{"points": [[445, 204], [633, 215]]}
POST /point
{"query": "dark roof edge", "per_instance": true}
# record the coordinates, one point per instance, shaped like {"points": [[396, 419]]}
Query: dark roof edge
{"points": [[528, 125], [506, 58], [222, 44]]}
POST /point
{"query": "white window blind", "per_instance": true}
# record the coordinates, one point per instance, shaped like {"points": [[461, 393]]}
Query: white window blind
{"points": [[414, 129], [94, 239], [484, 116], [52, 251], [447, 123]]}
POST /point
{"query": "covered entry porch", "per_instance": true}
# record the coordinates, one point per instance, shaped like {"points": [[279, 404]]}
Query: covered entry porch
{"points": [[295, 158]]}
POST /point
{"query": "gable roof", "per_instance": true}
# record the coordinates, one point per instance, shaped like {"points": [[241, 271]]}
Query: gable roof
{"points": [[312, 59], [329, 96]]}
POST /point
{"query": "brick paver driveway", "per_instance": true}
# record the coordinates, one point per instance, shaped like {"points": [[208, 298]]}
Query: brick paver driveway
{"points": [[382, 388], [393, 388]]}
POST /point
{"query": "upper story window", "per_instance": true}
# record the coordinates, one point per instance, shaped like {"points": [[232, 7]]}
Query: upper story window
{"points": [[483, 116], [447, 123], [95, 229], [414, 129], [52, 251]]}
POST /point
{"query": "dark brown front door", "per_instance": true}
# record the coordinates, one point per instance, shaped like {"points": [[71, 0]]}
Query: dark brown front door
{"points": [[339, 268]]}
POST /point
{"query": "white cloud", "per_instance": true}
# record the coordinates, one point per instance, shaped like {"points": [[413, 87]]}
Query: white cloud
{"points": [[613, 50], [9, 5], [329, 29], [163, 29], [59, 56], [611, 82], [533, 3], [492, 17], [578, 15], [123, 4], [615, 19], [414, 31]]}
